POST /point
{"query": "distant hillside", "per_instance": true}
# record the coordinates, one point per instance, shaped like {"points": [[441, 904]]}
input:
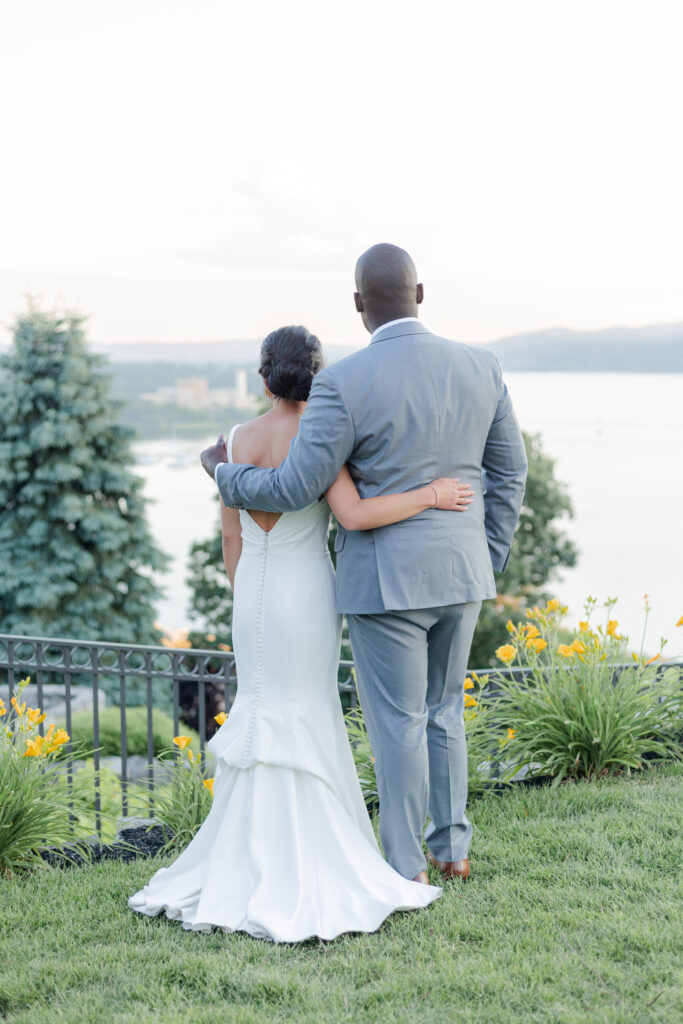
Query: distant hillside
{"points": [[656, 349]]}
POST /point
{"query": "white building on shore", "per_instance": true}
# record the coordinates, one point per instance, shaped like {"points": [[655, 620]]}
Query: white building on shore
{"points": [[195, 393]]}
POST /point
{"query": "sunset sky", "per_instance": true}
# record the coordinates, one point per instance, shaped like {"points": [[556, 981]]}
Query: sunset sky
{"points": [[196, 170]]}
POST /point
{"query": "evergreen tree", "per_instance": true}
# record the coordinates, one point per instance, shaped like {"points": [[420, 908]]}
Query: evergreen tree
{"points": [[539, 550], [76, 554]]}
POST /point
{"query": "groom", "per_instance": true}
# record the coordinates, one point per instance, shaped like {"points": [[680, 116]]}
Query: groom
{"points": [[407, 409]]}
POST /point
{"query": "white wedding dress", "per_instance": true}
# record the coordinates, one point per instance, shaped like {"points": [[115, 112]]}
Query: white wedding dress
{"points": [[287, 850]]}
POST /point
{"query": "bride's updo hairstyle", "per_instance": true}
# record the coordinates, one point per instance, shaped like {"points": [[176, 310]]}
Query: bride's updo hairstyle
{"points": [[290, 359]]}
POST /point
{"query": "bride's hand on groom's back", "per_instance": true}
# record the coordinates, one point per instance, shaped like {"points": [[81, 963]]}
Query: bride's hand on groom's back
{"points": [[452, 494]]}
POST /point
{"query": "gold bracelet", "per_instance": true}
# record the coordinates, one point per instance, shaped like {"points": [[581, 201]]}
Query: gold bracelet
{"points": [[437, 495]]}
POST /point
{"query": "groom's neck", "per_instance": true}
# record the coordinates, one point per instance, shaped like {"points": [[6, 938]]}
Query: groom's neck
{"points": [[375, 319]]}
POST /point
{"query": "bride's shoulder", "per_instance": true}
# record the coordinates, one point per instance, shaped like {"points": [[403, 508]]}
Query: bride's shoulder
{"points": [[263, 441]]}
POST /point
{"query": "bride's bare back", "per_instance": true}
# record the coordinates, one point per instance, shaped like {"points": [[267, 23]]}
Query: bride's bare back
{"points": [[265, 442]]}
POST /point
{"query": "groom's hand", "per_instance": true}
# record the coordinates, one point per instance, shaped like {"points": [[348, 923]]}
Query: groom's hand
{"points": [[213, 456]]}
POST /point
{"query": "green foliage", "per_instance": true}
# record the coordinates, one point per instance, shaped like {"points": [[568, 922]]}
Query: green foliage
{"points": [[34, 804], [362, 756], [211, 592], [485, 739], [82, 737], [34, 812], [152, 422], [183, 805], [75, 550], [539, 551], [577, 715]]}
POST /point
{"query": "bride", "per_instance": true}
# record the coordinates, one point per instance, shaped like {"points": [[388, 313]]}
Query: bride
{"points": [[287, 850]]}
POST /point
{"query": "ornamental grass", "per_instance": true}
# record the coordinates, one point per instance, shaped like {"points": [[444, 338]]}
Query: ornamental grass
{"points": [[588, 708]]}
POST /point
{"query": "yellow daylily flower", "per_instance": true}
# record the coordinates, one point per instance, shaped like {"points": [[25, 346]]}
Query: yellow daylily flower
{"points": [[566, 650], [612, 628], [506, 653], [34, 748], [56, 739], [470, 702], [3, 709], [537, 643], [680, 621], [211, 637], [511, 734], [221, 717], [182, 741], [34, 716], [19, 708], [578, 646], [208, 784], [584, 627], [553, 605], [532, 631], [469, 685]]}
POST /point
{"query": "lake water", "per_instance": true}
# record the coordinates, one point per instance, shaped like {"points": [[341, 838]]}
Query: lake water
{"points": [[617, 441]]}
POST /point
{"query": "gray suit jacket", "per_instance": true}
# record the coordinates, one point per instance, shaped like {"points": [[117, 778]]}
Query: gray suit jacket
{"points": [[408, 408]]}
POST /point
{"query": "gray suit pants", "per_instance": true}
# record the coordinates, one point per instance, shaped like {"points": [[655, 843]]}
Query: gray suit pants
{"points": [[410, 670]]}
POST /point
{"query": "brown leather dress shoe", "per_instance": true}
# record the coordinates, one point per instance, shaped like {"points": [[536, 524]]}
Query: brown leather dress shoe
{"points": [[422, 877], [451, 868]]}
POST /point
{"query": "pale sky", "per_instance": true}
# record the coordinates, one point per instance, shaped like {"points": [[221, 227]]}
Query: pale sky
{"points": [[198, 170]]}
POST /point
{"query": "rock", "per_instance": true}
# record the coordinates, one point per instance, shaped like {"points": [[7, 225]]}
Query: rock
{"points": [[132, 840], [146, 835]]}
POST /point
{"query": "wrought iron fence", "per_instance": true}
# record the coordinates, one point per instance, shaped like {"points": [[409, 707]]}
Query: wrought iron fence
{"points": [[65, 668], [69, 667]]}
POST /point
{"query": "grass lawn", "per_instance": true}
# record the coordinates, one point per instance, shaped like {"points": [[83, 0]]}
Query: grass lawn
{"points": [[572, 913]]}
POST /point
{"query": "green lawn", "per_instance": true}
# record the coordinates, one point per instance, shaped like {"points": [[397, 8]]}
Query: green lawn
{"points": [[573, 913]]}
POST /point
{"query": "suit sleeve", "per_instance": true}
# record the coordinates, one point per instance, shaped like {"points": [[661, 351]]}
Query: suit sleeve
{"points": [[323, 444], [504, 463]]}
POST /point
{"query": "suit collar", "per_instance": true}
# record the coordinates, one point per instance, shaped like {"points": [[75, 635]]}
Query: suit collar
{"points": [[399, 330]]}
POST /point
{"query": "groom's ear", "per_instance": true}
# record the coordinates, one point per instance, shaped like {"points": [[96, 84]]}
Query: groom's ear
{"points": [[358, 301], [419, 294]]}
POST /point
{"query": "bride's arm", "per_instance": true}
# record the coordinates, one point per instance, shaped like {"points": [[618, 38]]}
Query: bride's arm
{"points": [[356, 513], [232, 540]]}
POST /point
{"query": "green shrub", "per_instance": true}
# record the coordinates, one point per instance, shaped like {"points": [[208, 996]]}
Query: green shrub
{"points": [[579, 713], [362, 757], [82, 736], [34, 804]]}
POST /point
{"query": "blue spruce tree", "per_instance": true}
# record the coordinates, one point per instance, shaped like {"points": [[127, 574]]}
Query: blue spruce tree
{"points": [[76, 554]]}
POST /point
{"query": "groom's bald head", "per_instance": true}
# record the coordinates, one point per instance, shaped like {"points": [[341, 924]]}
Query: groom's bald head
{"points": [[386, 285]]}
